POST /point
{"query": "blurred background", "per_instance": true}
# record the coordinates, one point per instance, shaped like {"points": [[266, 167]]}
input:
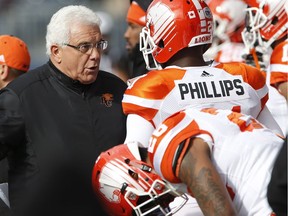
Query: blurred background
{"points": [[27, 19]]}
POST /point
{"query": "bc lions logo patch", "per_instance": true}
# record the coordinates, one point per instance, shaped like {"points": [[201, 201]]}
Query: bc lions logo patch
{"points": [[111, 194], [107, 99]]}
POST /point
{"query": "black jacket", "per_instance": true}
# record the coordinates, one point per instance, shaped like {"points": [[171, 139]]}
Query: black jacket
{"points": [[277, 187], [53, 128]]}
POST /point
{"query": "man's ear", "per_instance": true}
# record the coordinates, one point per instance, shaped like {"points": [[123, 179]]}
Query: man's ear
{"points": [[4, 72], [56, 53]]}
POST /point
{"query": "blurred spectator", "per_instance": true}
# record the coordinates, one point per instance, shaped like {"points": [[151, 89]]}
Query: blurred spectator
{"points": [[118, 66], [14, 58], [265, 34], [106, 27], [121, 67], [229, 21], [14, 61], [136, 21], [5, 4]]}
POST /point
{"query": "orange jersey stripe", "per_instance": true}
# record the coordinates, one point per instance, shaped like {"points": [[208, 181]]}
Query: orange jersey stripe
{"points": [[163, 83], [279, 63], [250, 74]]}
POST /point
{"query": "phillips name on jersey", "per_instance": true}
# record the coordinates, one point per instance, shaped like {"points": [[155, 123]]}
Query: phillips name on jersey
{"points": [[211, 89]]}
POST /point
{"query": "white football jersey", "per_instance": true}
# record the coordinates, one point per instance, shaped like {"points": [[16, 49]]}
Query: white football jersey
{"points": [[242, 150], [158, 94]]}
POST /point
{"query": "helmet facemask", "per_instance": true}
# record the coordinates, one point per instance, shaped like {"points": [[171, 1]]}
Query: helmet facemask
{"points": [[127, 186], [147, 47], [266, 22], [251, 36], [153, 202]]}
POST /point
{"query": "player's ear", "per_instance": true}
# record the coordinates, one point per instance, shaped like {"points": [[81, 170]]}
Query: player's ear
{"points": [[4, 71]]}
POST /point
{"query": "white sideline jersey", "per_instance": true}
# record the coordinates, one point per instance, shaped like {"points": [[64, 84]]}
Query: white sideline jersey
{"points": [[242, 150]]}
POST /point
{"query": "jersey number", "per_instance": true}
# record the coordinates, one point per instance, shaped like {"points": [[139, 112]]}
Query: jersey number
{"points": [[157, 133]]}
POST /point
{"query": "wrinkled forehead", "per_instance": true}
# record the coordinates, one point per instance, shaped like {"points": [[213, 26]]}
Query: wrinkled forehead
{"points": [[85, 32]]}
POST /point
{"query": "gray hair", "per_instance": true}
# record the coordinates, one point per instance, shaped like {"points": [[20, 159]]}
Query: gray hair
{"points": [[59, 27]]}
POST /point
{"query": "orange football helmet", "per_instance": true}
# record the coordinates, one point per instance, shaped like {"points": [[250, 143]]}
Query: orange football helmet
{"points": [[229, 19], [266, 23], [173, 25], [126, 186]]}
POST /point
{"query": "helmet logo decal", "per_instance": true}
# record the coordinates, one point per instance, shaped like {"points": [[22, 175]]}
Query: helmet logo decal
{"points": [[165, 23], [191, 14], [113, 195], [207, 13], [203, 13], [116, 196], [206, 26]]}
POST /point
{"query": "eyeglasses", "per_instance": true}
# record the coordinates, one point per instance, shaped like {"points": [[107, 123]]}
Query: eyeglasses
{"points": [[88, 47]]}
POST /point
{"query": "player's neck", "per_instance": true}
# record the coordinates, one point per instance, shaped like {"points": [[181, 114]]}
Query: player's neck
{"points": [[187, 57]]}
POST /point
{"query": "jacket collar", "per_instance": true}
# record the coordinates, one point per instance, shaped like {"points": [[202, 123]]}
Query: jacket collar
{"points": [[75, 85]]}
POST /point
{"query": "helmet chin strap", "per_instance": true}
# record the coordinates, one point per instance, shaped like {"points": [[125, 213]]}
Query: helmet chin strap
{"points": [[255, 57]]}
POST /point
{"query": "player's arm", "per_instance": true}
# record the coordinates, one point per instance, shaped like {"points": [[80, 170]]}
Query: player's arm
{"points": [[139, 130], [202, 178], [12, 130], [265, 117]]}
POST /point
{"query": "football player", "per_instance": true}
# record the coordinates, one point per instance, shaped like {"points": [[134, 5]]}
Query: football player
{"points": [[266, 30], [135, 22], [229, 22], [176, 35], [126, 186], [222, 158]]}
